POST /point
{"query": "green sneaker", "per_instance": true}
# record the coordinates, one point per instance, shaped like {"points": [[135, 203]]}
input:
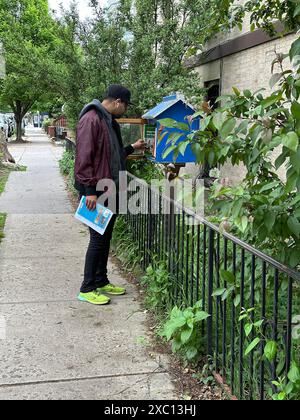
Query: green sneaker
{"points": [[94, 298], [112, 290]]}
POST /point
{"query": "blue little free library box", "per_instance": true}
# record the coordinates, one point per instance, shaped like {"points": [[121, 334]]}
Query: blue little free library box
{"points": [[176, 108]]}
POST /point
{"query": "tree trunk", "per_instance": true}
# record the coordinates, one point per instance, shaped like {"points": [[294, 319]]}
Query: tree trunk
{"points": [[20, 110], [5, 156], [19, 119]]}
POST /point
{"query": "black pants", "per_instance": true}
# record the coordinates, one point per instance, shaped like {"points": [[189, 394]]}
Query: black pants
{"points": [[95, 271]]}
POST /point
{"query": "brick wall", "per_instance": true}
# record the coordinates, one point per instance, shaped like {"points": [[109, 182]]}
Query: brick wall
{"points": [[250, 69]]}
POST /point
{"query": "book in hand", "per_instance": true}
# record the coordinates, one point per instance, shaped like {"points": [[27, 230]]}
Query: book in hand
{"points": [[98, 219]]}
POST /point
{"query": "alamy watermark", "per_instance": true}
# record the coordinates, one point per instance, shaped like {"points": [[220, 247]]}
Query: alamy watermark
{"points": [[157, 197]]}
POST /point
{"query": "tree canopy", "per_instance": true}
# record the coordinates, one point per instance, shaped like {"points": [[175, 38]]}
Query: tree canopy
{"points": [[140, 43], [26, 32], [248, 128]]}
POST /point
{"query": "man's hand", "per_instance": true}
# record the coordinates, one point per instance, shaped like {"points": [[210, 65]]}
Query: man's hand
{"points": [[139, 145], [91, 202]]}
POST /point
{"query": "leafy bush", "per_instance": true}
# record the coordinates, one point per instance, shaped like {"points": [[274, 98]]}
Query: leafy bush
{"points": [[144, 169], [183, 328], [286, 388], [46, 123], [124, 246], [158, 284], [247, 129], [67, 167], [67, 163]]}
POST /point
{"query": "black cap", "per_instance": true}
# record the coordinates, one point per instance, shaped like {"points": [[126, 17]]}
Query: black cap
{"points": [[119, 92]]}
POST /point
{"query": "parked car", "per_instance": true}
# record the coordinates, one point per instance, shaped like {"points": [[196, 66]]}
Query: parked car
{"points": [[4, 126], [11, 124]]}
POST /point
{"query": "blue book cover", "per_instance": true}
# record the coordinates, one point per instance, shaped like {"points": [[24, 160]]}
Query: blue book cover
{"points": [[97, 219]]}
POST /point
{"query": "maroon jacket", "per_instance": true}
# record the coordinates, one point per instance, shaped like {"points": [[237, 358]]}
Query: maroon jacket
{"points": [[93, 148]]}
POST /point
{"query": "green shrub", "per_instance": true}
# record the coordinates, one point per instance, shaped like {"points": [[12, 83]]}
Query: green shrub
{"points": [[144, 169], [158, 284], [183, 329], [248, 129], [67, 163], [124, 246], [67, 168], [47, 123]]}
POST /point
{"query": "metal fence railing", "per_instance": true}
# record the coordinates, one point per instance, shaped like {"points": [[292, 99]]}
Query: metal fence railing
{"points": [[201, 259]]}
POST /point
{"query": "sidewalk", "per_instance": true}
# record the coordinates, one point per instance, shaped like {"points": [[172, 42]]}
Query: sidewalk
{"points": [[55, 346]]}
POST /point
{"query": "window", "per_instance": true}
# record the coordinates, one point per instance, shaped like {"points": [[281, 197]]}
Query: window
{"points": [[213, 92]]}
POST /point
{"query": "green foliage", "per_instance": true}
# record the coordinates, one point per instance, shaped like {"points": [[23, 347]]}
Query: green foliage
{"points": [[47, 123], [232, 289], [67, 168], [4, 174], [144, 169], [20, 168], [162, 32], [125, 247], [159, 35], [67, 162], [28, 38], [264, 14], [286, 388], [72, 80], [248, 129], [158, 286], [183, 328], [2, 224]]}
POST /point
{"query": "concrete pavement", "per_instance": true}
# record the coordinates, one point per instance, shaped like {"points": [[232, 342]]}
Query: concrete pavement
{"points": [[51, 345]]}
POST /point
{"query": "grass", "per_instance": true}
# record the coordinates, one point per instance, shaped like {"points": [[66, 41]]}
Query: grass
{"points": [[2, 223], [4, 174], [20, 169]]}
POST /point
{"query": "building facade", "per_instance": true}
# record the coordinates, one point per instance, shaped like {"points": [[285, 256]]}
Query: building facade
{"points": [[242, 59]]}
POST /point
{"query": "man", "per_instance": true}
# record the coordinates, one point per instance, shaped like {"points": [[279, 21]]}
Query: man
{"points": [[100, 154]]}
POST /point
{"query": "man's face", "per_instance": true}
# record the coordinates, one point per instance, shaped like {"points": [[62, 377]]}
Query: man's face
{"points": [[119, 108]]}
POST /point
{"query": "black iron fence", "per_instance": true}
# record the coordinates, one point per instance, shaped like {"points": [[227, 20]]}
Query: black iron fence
{"points": [[229, 277], [70, 145]]}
